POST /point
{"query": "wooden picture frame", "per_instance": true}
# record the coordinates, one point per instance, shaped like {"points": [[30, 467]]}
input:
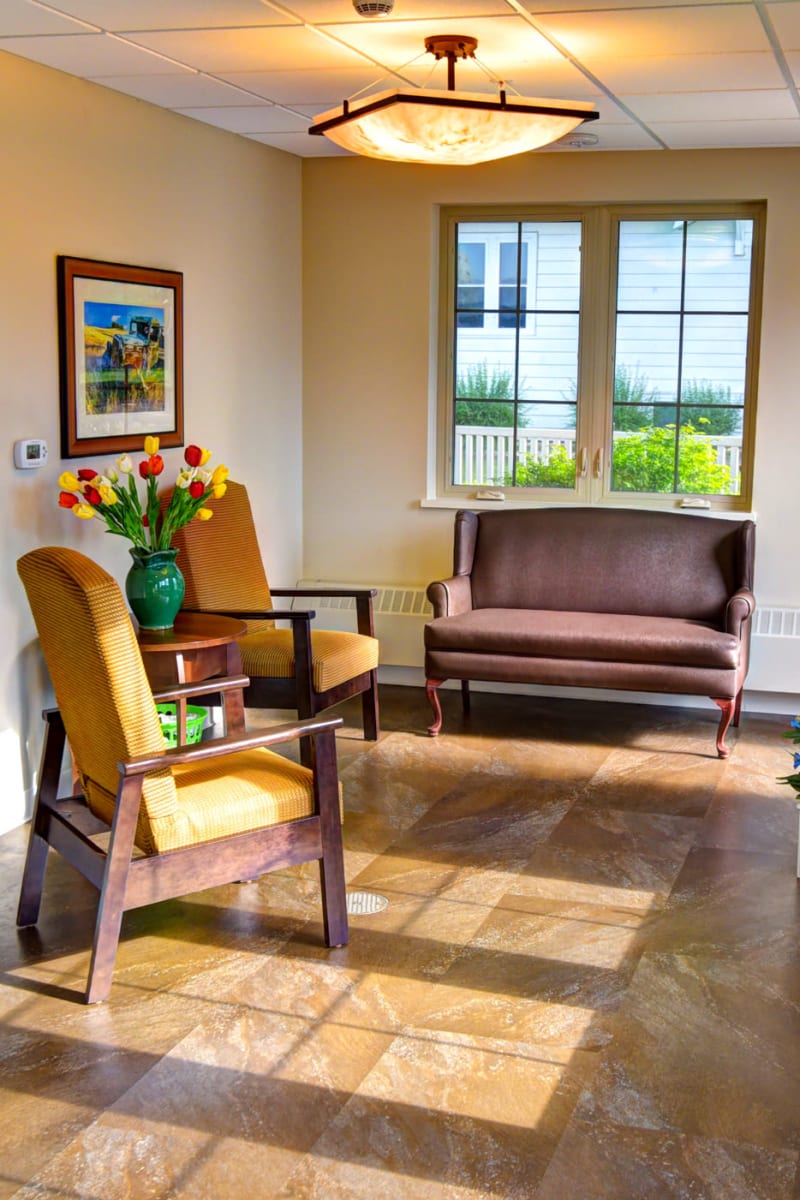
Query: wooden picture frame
{"points": [[120, 332]]}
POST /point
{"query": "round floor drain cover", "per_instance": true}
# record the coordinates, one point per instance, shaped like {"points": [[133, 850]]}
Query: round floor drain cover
{"points": [[364, 903]]}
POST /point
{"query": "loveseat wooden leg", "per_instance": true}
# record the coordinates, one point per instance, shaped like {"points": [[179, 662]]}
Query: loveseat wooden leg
{"points": [[433, 696], [466, 702], [737, 712], [728, 708]]}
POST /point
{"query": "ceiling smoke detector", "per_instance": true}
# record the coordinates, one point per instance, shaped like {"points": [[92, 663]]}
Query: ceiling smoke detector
{"points": [[373, 8]]}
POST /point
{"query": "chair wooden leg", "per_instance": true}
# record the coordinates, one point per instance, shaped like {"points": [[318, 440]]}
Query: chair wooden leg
{"points": [[112, 892], [30, 895], [728, 708], [433, 696], [370, 710], [466, 700], [331, 864]]}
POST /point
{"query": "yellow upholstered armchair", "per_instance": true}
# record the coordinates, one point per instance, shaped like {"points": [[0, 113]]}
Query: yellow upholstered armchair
{"points": [[297, 668], [180, 819]]}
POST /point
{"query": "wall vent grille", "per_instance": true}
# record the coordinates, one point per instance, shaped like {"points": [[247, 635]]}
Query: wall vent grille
{"points": [[777, 623], [393, 601]]}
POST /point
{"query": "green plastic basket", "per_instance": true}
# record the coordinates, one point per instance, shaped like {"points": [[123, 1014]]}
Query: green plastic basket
{"points": [[195, 720]]}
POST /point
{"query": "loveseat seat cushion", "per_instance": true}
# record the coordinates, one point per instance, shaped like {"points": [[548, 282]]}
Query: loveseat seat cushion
{"points": [[605, 637]]}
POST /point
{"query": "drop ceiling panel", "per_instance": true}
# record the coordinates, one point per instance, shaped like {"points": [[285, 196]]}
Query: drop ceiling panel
{"points": [[264, 118], [179, 90], [339, 11], [221, 51], [658, 31], [688, 73], [302, 144], [87, 54], [692, 134], [713, 106], [786, 21], [27, 20], [121, 15], [322, 87]]}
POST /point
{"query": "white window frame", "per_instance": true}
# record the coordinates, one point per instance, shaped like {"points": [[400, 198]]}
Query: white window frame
{"points": [[593, 447]]}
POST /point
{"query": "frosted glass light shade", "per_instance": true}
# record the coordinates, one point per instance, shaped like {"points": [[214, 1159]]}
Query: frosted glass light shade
{"points": [[449, 128]]}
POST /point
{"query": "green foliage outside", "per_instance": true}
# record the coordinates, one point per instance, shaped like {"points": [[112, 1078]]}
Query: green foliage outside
{"points": [[642, 462], [645, 462], [636, 406], [477, 385], [558, 472]]}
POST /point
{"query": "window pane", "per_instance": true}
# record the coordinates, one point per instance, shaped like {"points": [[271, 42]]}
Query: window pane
{"points": [[650, 266], [644, 460], [707, 465], [718, 265], [546, 447], [484, 453], [647, 358], [548, 359]]}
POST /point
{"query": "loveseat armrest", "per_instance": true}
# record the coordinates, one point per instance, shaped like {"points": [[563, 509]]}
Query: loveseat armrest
{"points": [[450, 596], [738, 611]]}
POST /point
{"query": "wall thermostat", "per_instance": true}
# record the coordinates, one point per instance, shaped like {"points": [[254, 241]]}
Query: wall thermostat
{"points": [[31, 452]]}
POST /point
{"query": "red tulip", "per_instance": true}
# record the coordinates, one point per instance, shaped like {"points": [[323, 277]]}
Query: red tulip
{"points": [[156, 463], [144, 468], [92, 496], [193, 455], [67, 500], [87, 473], [196, 489]]}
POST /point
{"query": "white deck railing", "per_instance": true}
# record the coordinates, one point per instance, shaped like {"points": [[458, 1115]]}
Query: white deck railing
{"points": [[484, 453]]}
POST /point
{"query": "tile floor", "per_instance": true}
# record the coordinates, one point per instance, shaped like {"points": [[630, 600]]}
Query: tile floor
{"points": [[586, 985]]}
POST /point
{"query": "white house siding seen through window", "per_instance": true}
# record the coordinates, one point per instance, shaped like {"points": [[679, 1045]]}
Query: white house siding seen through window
{"points": [[648, 389]]}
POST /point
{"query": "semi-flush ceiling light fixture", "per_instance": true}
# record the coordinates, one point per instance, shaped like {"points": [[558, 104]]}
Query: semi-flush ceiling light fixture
{"points": [[448, 128]]}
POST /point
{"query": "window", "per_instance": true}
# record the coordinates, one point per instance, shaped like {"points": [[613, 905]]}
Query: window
{"points": [[591, 354]]}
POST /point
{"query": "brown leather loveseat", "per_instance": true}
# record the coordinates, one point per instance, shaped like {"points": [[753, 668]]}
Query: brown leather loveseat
{"points": [[592, 597]]}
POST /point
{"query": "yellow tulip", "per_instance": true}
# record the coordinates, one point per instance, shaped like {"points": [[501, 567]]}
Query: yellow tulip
{"points": [[204, 514], [220, 490], [184, 478], [84, 511], [219, 475], [206, 455], [107, 494], [151, 445], [69, 482]]}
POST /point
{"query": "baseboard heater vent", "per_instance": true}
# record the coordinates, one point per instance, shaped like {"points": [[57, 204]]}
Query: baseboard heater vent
{"points": [[400, 612], [777, 623]]}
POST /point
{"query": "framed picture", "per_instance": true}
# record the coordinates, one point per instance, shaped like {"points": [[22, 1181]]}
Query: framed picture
{"points": [[121, 356]]}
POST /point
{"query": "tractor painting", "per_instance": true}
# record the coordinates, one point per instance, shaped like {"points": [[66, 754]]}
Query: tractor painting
{"points": [[124, 358]]}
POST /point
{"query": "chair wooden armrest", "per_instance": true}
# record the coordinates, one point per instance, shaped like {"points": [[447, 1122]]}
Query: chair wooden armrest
{"points": [[218, 747]]}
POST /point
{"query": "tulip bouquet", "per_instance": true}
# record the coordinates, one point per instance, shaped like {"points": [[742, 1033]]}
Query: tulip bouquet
{"points": [[116, 499]]}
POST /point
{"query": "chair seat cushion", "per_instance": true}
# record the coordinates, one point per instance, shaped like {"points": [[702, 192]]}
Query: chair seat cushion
{"points": [[336, 657], [596, 636], [250, 790]]}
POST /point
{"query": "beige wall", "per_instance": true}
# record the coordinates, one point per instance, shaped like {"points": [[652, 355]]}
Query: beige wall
{"points": [[368, 269], [91, 173]]}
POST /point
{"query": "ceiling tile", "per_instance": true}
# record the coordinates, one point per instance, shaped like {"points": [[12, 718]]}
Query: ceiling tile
{"points": [[302, 144], [658, 31], [221, 51], [687, 73], [264, 118], [177, 91], [322, 87], [696, 135], [786, 21], [119, 15], [713, 106], [87, 54], [26, 19]]}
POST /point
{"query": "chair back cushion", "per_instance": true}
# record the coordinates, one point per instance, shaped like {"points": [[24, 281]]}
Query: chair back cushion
{"points": [[221, 561], [100, 684]]}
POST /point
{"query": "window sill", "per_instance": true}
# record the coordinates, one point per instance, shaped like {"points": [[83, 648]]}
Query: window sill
{"points": [[475, 505]]}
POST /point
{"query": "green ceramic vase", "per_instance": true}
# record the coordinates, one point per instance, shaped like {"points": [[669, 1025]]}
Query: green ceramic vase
{"points": [[154, 586]]}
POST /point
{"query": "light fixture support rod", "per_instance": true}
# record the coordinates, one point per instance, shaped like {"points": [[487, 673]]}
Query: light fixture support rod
{"points": [[451, 46]]}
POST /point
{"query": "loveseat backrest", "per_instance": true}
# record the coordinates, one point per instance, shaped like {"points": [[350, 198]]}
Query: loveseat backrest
{"points": [[605, 560]]}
